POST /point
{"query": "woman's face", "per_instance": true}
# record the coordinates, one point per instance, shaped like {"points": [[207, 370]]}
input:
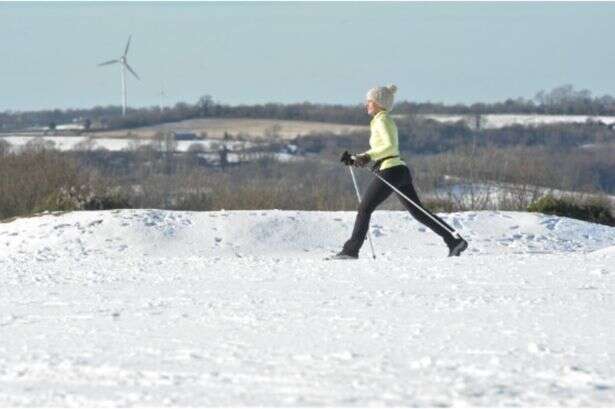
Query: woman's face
{"points": [[372, 107]]}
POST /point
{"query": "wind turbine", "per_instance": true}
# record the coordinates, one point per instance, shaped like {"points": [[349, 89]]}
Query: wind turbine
{"points": [[161, 95], [124, 63]]}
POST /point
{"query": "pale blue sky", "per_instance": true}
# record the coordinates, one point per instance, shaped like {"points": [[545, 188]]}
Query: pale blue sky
{"points": [[293, 52]]}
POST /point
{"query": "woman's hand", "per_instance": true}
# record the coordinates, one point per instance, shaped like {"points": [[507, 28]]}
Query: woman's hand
{"points": [[361, 160]]}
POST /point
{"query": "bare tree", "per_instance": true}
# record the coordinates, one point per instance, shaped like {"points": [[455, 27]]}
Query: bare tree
{"points": [[5, 147]]}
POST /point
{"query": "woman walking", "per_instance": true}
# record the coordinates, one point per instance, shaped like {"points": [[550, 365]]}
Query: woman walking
{"points": [[384, 150]]}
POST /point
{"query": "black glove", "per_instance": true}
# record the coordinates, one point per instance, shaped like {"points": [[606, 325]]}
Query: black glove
{"points": [[361, 160], [347, 159]]}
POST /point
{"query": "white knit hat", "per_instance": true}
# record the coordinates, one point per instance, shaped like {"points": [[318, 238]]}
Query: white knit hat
{"points": [[383, 96]]}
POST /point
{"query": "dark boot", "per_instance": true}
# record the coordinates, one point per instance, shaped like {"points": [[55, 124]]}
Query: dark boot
{"points": [[343, 256], [456, 246]]}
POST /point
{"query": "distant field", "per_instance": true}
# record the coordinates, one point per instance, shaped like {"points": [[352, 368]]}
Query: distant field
{"points": [[494, 121], [85, 143], [252, 128]]}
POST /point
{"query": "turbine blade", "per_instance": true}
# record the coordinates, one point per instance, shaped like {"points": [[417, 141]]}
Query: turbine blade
{"points": [[108, 62], [131, 70], [127, 45]]}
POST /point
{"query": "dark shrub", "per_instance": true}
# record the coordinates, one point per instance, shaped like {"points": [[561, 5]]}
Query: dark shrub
{"points": [[591, 210], [82, 198], [29, 177]]}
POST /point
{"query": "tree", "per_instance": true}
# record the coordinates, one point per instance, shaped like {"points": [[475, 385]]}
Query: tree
{"points": [[39, 145], [204, 104], [562, 95], [5, 147]]}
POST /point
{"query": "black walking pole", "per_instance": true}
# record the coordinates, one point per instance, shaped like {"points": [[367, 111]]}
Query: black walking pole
{"points": [[453, 232]]}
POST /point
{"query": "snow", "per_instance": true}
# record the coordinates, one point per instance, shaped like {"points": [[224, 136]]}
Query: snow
{"points": [[83, 143], [493, 194], [70, 127], [490, 121], [153, 308], [71, 143]]}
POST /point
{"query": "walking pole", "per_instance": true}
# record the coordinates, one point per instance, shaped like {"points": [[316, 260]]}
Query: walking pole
{"points": [[356, 188], [453, 232]]}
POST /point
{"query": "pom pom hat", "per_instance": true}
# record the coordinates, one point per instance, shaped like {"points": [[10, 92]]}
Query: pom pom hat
{"points": [[383, 96]]}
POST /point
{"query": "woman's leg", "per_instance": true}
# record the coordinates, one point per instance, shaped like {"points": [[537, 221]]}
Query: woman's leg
{"points": [[408, 190], [376, 193]]}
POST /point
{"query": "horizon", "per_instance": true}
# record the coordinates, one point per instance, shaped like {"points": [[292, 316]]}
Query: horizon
{"points": [[322, 53], [171, 106]]}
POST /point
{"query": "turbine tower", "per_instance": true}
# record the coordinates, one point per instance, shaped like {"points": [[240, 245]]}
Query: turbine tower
{"points": [[124, 66], [161, 95]]}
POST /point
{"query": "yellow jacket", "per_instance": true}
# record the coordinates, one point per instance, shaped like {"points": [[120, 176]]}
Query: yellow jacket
{"points": [[383, 140]]}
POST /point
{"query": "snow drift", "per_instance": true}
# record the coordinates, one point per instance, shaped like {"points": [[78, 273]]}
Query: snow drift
{"points": [[311, 235], [150, 307]]}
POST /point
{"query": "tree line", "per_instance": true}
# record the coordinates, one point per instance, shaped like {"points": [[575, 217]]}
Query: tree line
{"points": [[563, 100]]}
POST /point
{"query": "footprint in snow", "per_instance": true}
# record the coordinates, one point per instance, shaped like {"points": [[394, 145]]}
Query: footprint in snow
{"points": [[550, 223], [377, 233]]}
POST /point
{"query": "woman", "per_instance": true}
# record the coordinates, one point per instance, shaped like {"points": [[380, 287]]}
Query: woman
{"points": [[385, 152]]}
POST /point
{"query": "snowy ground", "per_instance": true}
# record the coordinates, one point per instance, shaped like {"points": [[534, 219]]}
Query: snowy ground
{"points": [[148, 307], [492, 195], [84, 143], [491, 121]]}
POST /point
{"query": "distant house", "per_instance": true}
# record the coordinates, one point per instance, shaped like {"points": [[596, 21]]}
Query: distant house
{"points": [[70, 127], [76, 127], [185, 136], [63, 129]]}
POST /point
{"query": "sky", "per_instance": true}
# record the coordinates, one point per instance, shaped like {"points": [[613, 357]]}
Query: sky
{"points": [[321, 52]]}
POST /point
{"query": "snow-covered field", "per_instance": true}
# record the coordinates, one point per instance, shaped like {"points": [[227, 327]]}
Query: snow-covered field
{"points": [[489, 121], [150, 307], [492, 195], [84, 143]]}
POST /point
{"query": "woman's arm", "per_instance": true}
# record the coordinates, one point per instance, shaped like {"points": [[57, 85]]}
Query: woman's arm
{"points": [[386, 143]]}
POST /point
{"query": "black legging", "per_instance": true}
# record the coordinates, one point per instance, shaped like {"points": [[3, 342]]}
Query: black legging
{"points": [[377, 192]]}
